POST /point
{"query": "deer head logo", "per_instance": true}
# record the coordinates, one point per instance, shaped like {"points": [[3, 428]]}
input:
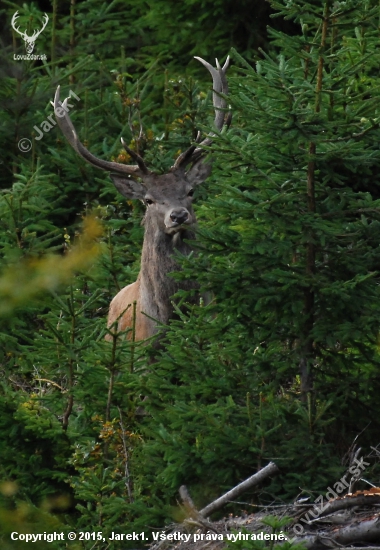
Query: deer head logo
{"points": [[29, 40]]}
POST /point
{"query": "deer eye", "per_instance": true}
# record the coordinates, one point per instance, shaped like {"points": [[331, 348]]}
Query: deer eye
{"points": [[148, 202], [190, 193]]}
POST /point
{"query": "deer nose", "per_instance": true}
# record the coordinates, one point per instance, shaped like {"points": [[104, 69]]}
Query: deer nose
{"points": [[179, 216]]}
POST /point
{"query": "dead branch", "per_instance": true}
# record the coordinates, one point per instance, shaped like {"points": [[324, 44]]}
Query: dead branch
{"points": [[348, 502], [257, 478], [199, 516], [357, 532], [360, 531]]}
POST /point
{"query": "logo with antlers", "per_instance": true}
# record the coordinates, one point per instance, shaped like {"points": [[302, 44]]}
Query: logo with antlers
{"points": [[29, 40]]}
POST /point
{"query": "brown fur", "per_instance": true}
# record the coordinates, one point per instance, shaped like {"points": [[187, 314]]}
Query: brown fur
{"points": [[154, 288]]}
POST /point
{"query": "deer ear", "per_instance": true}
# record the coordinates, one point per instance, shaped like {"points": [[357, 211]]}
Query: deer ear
{"points": [[198, 172], [129, 188]]}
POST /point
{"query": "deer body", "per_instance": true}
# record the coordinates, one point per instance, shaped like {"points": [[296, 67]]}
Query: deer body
{"points": [[153, 289], [169, 220]]}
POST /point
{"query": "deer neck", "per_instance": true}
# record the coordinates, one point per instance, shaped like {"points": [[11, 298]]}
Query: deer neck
{"points": [[157, 261]]}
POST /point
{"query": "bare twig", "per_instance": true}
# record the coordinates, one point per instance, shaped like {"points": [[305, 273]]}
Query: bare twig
{"points": [[127, 475], [51, 382]]}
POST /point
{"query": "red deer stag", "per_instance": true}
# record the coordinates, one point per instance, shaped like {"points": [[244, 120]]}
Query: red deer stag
{"points": [[168, 220]]}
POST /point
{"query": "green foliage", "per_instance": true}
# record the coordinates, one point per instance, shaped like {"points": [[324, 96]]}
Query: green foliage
{"points": [[246, 539], [24, 215], [27, 520], [282, 363]]}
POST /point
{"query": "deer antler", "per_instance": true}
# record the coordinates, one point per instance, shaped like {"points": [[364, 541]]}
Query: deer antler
{"points": [[68, 130], [13, 23], [220, 86], [192, 154]]}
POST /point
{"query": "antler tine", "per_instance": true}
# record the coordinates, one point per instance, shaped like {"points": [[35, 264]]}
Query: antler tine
{"points": [[184, 158], [68, 130], [220, 86], [136, 157]]}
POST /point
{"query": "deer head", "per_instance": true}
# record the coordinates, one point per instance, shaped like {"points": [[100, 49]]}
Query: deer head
{"points": [[29, 40], [163, 194]]}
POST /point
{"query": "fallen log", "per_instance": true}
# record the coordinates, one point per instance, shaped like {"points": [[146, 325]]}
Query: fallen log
{"points": [[217, 504]]}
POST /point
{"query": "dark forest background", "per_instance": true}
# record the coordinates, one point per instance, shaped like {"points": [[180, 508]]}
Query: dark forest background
{"points": [[283, 364]]}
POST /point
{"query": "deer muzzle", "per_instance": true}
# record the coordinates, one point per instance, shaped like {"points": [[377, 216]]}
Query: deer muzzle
{"points": [[176, 219]]}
